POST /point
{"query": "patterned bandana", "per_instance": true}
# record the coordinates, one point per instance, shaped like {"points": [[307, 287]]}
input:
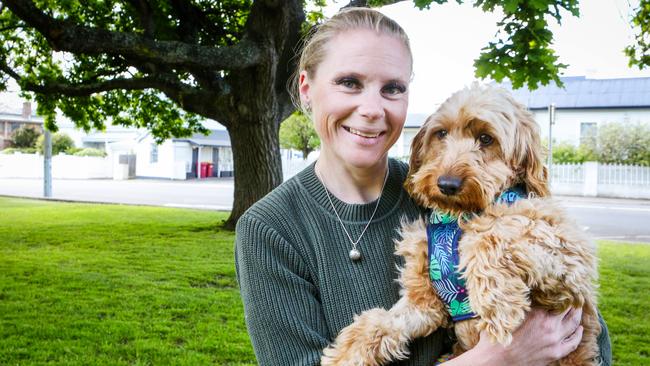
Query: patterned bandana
{"points": [[443, 235]]}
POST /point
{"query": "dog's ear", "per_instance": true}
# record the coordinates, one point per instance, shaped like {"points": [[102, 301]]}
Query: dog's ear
{"points": [[529, 154], [415, 161]]}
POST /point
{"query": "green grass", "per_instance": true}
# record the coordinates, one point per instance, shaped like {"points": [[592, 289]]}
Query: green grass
{"points": [[124, 285], [117, 285], [625, 300]]}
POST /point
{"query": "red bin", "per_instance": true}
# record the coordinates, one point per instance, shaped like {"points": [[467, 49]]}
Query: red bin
{"points": [[204, 170], [210, 169]]}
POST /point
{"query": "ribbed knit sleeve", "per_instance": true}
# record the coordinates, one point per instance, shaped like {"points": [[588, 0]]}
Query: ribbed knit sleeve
{"points": [[283, 314]]}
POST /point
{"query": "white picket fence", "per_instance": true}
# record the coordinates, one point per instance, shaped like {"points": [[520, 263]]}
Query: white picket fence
{"points": [[567, 173], [606, 180], [624, 174]]}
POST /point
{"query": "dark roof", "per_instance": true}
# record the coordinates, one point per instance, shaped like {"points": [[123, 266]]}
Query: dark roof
{"points": [[582, 93], [215, 138]]}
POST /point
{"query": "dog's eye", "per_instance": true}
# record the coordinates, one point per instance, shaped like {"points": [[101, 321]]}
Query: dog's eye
{"points": [[441, 134], [485, 139]]}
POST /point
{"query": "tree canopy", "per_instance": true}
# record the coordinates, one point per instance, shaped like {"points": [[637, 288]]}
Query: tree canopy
{"points": [[166, 65], [297, 132]]}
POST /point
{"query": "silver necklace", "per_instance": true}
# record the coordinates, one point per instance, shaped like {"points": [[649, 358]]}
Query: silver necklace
{"points": [[355, 254]]}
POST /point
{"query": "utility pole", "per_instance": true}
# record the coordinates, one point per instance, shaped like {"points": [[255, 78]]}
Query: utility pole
{"points": [[551, 122], [47, 166]]}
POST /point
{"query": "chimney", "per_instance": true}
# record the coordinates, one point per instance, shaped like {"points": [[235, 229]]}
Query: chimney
{"points": [[27, 110]]}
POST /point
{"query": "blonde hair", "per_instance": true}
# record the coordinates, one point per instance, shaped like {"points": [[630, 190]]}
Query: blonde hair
{"points": [[314, 46]]}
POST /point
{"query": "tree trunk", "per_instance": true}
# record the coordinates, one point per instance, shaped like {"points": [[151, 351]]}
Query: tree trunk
{"points": [[258, 168]]}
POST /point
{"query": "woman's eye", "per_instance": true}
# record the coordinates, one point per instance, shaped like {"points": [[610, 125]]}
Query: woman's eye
{"points": [[441, 134], [350, 83], [485, 140], [394, 89]]}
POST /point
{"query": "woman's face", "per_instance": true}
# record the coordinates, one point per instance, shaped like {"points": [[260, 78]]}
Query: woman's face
{"points": [[358, 96]]}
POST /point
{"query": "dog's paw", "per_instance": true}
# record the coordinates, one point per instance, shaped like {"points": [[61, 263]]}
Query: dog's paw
{"points": [[373, 339], [503, 323]]}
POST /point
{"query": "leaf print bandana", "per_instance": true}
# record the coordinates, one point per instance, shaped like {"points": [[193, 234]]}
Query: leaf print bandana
{"points": [[443, 235]]}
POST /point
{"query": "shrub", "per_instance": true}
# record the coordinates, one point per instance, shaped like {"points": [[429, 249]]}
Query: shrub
{"points": [[60, 143], [25, 137], [73, 150], [90, 152], [623, 144], [22, 150]]}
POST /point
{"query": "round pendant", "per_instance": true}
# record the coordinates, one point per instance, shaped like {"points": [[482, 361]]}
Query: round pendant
{"points": [[355, 255]]}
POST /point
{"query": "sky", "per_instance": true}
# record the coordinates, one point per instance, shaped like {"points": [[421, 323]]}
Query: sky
{"points": [[446, 40]]}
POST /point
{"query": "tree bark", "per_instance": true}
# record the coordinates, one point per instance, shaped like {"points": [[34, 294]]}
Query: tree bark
{"points": [[258, 167]]}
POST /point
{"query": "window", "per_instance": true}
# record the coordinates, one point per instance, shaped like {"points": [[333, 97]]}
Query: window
{"points": [[153, 157], [588, 132]]}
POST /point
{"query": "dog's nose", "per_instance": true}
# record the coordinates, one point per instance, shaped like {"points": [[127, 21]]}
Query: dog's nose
{"points": [[449, 185]]}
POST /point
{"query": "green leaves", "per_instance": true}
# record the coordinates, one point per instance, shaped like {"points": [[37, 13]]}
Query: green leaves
{"points": [[639, 53], [623, 144], [522, 50], [297, 132]]}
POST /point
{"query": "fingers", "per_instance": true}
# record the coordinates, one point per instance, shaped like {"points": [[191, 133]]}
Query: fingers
{"points": [[570, 343], [571, 320]]}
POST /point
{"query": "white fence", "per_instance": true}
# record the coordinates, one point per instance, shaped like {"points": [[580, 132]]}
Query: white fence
{"points": [[63, 166], [291, 167], [594, 179]]}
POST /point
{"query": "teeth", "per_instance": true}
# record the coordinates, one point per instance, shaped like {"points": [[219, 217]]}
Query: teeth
{"points": [[362, 134]]}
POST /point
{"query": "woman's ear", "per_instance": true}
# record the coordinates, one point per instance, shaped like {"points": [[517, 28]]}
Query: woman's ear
{"points": [[304, 84]]}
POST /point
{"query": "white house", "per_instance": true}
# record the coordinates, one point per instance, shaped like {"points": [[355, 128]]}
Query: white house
{"points": [[414, 121], [182, 158], [584, 104]]}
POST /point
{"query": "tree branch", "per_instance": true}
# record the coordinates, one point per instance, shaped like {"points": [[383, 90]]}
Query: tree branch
{"points": [[66, 36], [88, 88], [143, 8]]}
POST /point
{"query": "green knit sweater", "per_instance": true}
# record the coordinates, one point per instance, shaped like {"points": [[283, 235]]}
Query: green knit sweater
{"points": [[299, 286]]}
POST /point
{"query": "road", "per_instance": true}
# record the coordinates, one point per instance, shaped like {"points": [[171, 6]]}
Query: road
{"points": [[603, 218], [211, 194]]}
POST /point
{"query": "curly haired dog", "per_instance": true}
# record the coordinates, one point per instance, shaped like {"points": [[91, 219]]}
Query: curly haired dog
{"points": [[511, 256]]}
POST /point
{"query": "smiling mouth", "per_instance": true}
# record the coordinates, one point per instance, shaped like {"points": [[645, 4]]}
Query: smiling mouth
{"points": [[362, 134]]}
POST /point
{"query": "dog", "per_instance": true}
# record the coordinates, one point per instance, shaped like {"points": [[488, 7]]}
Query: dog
{"points": [[477, 148]]}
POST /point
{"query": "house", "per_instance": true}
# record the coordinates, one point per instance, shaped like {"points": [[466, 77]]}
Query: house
{"points": [[10, 122], [584, 104], [402, 147], [183, 158]]}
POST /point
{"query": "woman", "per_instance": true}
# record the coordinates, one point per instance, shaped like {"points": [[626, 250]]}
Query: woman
{"points": [[319, 248]]}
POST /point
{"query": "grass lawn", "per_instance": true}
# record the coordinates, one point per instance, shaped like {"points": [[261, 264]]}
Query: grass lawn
{"points": [[118, 285]]}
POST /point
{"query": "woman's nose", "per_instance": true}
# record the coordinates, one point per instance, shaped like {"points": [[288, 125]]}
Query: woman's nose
{"points": [[371, 106]]}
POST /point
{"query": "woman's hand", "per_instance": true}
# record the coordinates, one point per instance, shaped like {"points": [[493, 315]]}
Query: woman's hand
{"points": [[541, 339]]}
